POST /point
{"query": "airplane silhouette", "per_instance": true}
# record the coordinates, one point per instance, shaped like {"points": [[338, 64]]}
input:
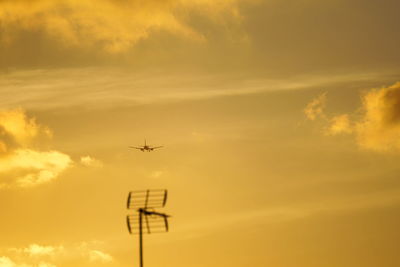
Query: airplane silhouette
{"points": [[146, 147]]}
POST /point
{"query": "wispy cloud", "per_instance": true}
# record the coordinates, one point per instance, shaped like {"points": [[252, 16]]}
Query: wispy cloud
{"points": [[105, 87], [316, 107], [89, 161], [99, 256], [287, 213], [156, 174]]}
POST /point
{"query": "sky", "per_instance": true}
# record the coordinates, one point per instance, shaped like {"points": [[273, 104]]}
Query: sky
{"points": [[279, 121]]}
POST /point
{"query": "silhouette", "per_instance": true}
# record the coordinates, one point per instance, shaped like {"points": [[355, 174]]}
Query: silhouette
{"points": [[146, 147], [144, 202]]}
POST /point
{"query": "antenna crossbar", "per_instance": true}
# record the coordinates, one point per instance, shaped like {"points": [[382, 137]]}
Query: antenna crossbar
{"points": [[147, 199]]}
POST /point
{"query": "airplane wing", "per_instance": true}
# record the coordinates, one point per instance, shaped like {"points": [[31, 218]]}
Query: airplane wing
{"points": [[136, 147], [155, 147]]}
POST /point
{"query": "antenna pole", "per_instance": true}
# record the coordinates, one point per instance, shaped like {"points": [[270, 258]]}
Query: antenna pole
{"points": [[140, 237]]}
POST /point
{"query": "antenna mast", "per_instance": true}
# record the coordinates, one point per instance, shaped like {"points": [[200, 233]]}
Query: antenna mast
{"points": [[144, 203]]}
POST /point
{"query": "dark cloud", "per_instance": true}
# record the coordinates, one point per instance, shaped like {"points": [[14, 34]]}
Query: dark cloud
{"points": [[391, 105], [263, 37]]}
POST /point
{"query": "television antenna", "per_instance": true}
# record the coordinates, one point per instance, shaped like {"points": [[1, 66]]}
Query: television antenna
{"points": [[144, 203]]}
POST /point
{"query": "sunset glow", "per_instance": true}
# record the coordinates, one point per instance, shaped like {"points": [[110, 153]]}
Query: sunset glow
{"points": [[279, 123]]}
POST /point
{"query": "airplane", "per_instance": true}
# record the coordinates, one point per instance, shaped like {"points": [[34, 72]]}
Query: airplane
{"points": [[146, 147]]}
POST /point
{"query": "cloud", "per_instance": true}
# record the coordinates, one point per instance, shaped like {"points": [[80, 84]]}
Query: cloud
{"points": [[23, 130], [340, 124], [156, 174], [379, 129], [45, 264], [38, 250], [37, 167], [277, 214], [7, 262], [114, 25], [89, 161], [37, 255], [3, 147], [99, 256], [109, 87], [376, 127], [22, 165], [316, 107]]}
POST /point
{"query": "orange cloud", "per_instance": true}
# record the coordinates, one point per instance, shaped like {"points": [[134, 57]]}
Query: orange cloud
{"points": [[35, 255], [340, 124], [378, 127], [7, 262], [115, 25], [22, 129], [316, 107], [99, 256], [89, 161], [3, 147], [22, 165], [38, 250], [37, 167]]}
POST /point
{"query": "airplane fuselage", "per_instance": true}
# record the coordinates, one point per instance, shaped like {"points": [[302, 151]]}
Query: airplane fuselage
{"points": [[146, 147]]}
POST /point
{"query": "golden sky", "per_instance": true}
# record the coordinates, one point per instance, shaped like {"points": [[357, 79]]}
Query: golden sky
{"points": [[280, 122]]}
